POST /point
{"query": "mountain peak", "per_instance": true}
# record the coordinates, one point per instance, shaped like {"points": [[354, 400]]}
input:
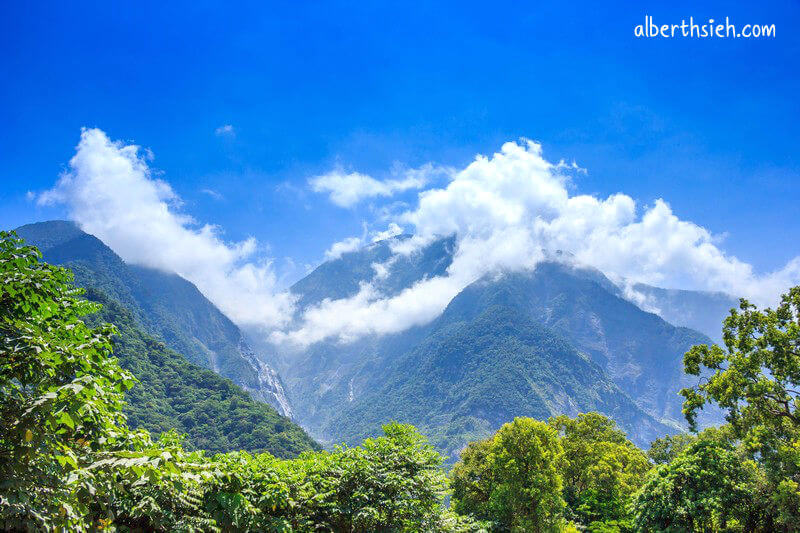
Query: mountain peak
{"points": [[50, 233]]}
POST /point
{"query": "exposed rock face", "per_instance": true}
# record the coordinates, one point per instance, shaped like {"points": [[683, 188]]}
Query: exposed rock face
{"points": [[270, 387]]}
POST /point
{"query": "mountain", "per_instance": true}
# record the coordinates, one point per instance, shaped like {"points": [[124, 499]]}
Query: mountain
{"points": [[471, 374], [215, 414], [639, 351], [342, 277], [557, 339], [699, 310], [164, 305]]}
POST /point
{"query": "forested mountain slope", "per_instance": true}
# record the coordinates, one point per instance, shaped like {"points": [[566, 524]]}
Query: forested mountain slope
{"points": [[164, 304], [472, 374], [557, 339], [172, 393], [639, 351]]}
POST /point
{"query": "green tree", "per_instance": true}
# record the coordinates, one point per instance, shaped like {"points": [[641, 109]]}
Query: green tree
{"points": [[513, 479], [473, 480], [602, 470], [755, 377], [390, 483], [60, 392], [666, 449], [707, 487], [68, 461]]}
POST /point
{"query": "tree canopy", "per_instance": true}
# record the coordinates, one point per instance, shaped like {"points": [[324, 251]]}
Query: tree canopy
{"points": [[602, 470], [61, 392], [69, 461], [513, 478], [755, 377]]}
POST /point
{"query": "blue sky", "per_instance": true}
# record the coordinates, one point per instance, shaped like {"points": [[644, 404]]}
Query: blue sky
{"points": [[710, 126]]}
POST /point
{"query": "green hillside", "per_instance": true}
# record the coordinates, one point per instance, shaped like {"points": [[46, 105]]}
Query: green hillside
{"points": [[469, 377], [556, 339], [163, 304], [215, 414]]}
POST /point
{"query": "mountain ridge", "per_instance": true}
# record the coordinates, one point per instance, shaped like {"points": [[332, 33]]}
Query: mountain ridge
{"points": [[166, 305], [337, 386]]}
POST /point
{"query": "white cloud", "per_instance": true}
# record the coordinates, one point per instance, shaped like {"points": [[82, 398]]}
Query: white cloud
{"points": [[112, 193], [393, 230], [351, 244], [337, 249], [225, 130], [347, 189], [213, 194], [507, 212], [367, 313], [510, 210]]}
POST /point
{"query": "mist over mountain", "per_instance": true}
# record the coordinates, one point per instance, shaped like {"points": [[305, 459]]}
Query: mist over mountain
{"points": [[164, 304], [554, 339], [700, 310]]}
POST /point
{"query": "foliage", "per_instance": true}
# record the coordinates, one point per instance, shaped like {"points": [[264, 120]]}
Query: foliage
{"points": [[69, 461], [215, 414], [755, 377], [463, 381], [513, 478], [602, 470], [155, 313], [666, 449], [60, 391], [391, 483], [707, 487], [163, 305]]}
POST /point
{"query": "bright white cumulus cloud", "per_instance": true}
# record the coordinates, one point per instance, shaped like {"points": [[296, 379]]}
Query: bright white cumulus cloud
{"points": [[507, 212], [511, 210], [111, 192]]}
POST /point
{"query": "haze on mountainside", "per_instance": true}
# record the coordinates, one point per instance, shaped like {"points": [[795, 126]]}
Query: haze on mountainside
{"points": [[168, 335]]}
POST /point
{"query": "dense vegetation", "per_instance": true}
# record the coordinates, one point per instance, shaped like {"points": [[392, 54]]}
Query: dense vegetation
{"points": [[467, 378], [215, 414], [70, 461], [162, 304]]}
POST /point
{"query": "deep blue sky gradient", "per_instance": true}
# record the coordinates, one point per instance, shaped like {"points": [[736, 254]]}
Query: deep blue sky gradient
{"points": [[709, 125]]}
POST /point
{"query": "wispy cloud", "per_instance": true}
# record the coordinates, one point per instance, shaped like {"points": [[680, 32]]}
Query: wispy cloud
{"points": [[351, 244], [213, 194], [348, 189], [225, 130]]}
